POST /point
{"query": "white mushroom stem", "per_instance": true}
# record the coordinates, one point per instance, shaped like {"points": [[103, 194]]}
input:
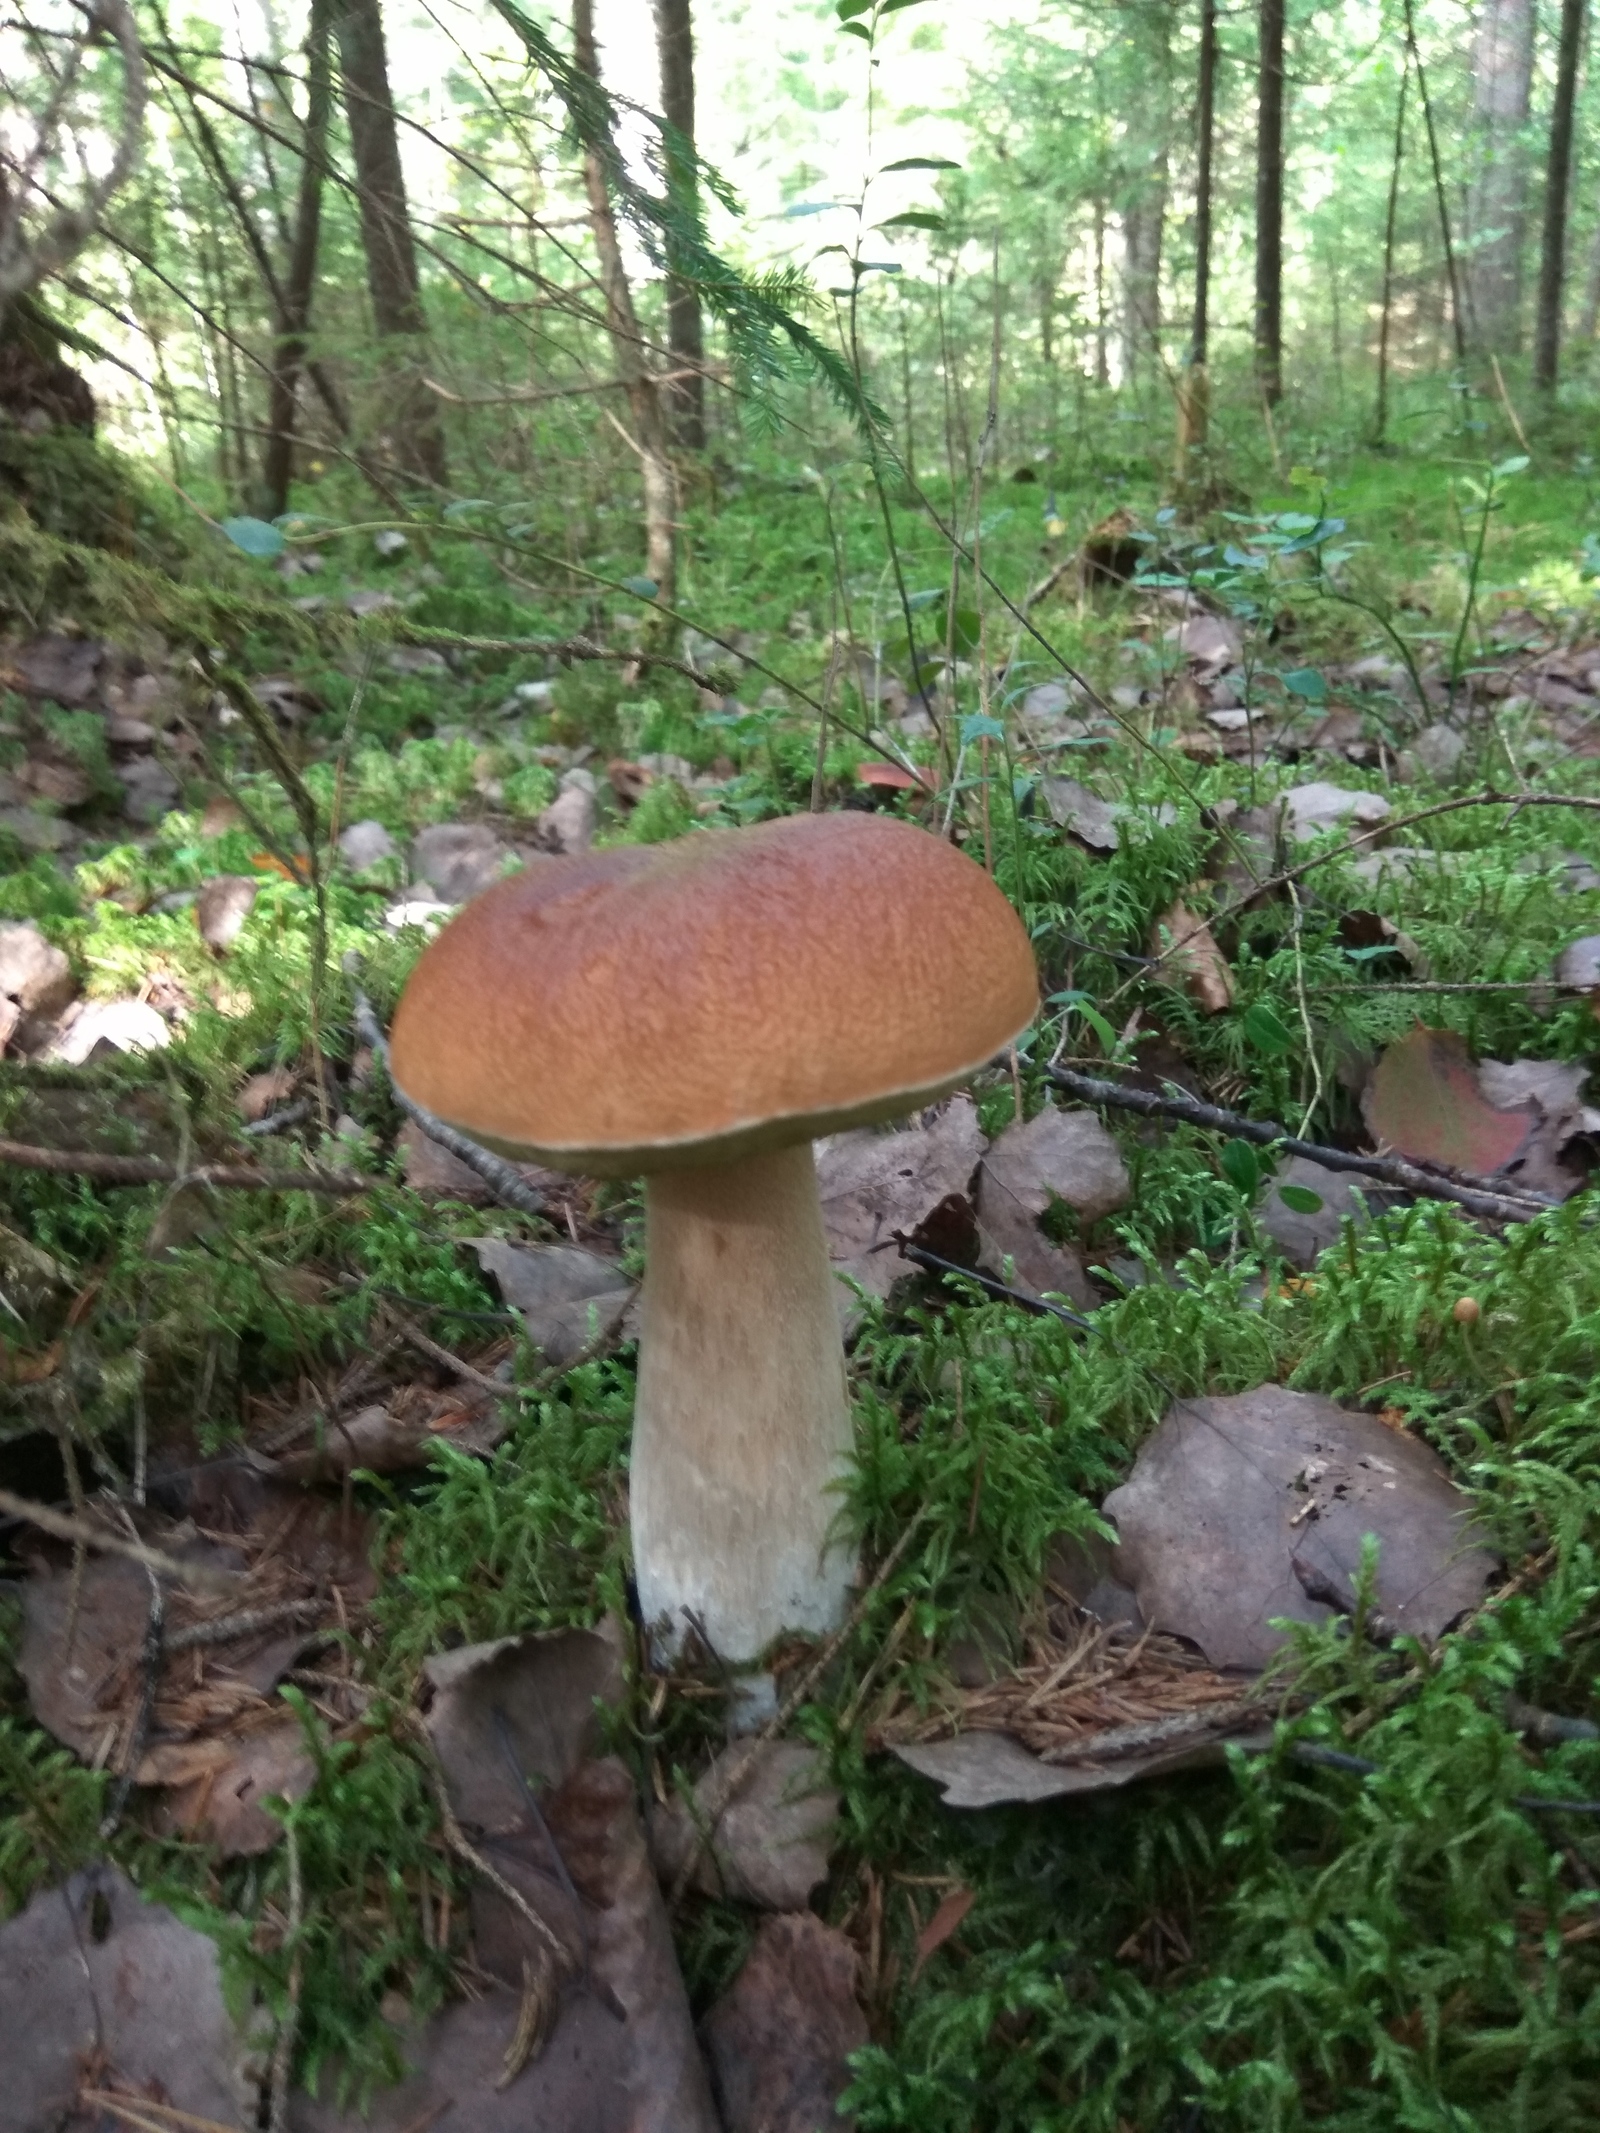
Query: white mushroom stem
{"points": [[742, 1420]]}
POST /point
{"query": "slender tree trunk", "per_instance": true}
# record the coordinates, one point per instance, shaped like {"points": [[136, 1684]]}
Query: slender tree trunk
{"points": [[1589, 323], [414, 432], [1144, 209], [1458, 320], [1380, 420], [645, 395], [1194, 391], [1269, 203], [685, 331], [1102, 373], [294, 311], [1557, 184], [909, 450], [1497, 199]]}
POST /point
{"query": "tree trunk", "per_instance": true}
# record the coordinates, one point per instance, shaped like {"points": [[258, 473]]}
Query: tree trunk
{"points": [[294, 314], [627, 342], [685, 333], [1380, 421], [1458, 315], [1558, 176], [1194, 398], [1102, 372], [1144, 210], [1497, 208], [415, 437], [1269, 203]]}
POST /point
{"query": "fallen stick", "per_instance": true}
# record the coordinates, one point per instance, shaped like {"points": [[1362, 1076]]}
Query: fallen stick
{"points": [[503, 1179], [145, 1170], [1493, 1203], [80, 1530]]}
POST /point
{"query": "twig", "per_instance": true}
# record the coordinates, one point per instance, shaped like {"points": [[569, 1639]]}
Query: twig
{"points": [[283, 2046], [499, 1388], [1494, 1203], [61, 1527], [149, 2117], [717, 1800], [1002, 1291], [276, 1121], [1300, 1001], [1310, 1751], [1149, 1733], [139, 1731], [1325, 1591], [506, 1182], [249, 1622], [1505, 402], [1548, 1728], [144, 1170], [362, 1377], [465, 1850]]}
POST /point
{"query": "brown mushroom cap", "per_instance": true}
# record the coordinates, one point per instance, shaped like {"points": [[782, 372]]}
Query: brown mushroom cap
{"points": [[654, 1006]]}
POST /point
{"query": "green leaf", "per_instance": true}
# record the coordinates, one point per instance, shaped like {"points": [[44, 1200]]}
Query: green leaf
{"points": [[921, 163], [464, 504], [797, 208], [1514, 465], [854, 29], [255, 537], [642, 588], [1265, 1031], [979, 726], [915, 220], [1241, 1166], [893, 7], [1301, 1199], [1306, 683], [847, 10]]}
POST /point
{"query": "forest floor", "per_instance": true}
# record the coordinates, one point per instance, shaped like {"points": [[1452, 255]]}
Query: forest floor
{"points": [[1301, 806]]}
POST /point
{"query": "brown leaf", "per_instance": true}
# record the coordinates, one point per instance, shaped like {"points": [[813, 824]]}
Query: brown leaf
{"points": [[771, 1843], [91, 1967], [945, 1921], [567, 1296], [1424, 1101], [216, 1786], [1190, 953], [1228, 1490], [780, 2038], [873, 1184]]}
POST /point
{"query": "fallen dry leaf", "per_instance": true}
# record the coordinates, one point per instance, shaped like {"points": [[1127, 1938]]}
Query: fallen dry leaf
{"points": [[1554, 1089], [92, 1975], [394, 1438], [216, 1788], [946, 1921], [1057, 1155], [1425, 1102], [1228, 1490], [1085, 817], [519, 1715], [568, 1297], [780, 2038], [1311, 810], [872, 1184], [771, 1843], [1190, 953]]}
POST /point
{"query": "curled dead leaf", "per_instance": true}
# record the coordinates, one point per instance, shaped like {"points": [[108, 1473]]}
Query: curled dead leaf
{"points": [[1189, 952]]}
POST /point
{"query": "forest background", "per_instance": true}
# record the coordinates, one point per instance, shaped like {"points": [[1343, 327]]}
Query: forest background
{"points": [[531, 427]]}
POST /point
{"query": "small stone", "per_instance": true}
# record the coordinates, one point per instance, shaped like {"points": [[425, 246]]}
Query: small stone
{"points": [[390, 542], [222, 907], [568, 824], [1311, 809], [459, 859], [124, 1025], [33, 831], [33, 972], [149, 789], [366, 844]]}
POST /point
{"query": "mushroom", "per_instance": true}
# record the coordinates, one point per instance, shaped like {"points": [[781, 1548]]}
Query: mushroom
{"points": [[696, 1012]]}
